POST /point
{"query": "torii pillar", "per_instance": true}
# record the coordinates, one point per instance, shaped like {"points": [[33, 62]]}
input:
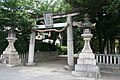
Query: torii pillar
{"points": [[70, 48], [31, 50]]}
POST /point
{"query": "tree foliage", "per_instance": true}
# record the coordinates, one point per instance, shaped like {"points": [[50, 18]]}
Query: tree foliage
{"points": [[17, 14], [51, 6], [105, 13], [14, 13]]}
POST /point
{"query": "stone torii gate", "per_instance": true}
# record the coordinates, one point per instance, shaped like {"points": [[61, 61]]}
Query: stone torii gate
{"points": [[70, 48]]}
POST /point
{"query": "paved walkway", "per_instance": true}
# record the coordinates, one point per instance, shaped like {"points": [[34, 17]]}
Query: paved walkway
{"points": [[53, 70]]}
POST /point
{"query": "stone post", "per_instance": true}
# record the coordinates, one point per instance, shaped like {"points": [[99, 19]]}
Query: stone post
{"points": [[70, 49], [86, 63], [10, 55], [31, 50]]}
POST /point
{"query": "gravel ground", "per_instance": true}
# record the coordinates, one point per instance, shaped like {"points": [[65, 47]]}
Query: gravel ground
{"points": [[52, 70]]}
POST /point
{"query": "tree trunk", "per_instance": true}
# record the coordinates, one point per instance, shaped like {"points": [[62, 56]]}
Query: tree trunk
{"points": [[105, 45], [100, 44], [112, 46], [108, 47]]}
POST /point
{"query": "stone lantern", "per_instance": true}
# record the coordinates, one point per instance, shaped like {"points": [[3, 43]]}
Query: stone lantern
{"points": [[86, 62], [10, 55]]}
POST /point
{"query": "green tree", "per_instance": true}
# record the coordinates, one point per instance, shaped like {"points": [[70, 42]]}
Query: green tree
{"points": [[18, 14], [14, 13], [105, 13]]}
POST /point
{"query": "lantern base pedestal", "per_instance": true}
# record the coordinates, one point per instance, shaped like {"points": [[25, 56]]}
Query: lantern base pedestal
{"points": [[11, 59], [86, 67], [82, 70]]}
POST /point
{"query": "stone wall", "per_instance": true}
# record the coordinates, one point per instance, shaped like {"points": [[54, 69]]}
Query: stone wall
{"points": [[45, 55]]}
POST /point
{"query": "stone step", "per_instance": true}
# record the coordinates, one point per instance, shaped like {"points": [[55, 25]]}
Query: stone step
{"points": [[86, 67]]}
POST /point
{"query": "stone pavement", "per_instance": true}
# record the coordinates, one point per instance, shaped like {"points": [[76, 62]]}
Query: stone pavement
{"points": [[52, 70]]}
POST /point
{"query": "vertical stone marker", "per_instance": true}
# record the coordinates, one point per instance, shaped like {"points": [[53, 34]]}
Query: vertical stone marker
{"points": [[86, 62]]}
